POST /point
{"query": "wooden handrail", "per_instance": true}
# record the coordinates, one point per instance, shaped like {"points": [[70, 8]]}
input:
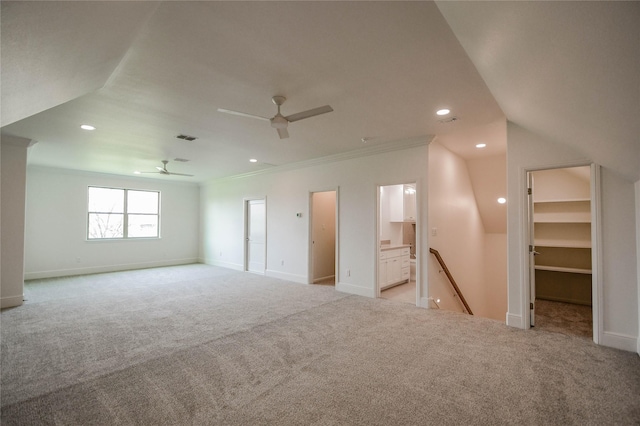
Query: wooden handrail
{"points": [[451, 280]]}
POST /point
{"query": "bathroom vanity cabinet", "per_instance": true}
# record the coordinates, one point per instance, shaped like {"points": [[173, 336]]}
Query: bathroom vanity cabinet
{"points": [[394, 266]]}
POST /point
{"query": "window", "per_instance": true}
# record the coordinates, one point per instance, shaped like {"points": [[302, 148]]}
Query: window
{"points": [[122, 213]]}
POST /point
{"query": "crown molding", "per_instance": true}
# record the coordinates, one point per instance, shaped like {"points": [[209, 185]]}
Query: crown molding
{"points": [[395, 145]]}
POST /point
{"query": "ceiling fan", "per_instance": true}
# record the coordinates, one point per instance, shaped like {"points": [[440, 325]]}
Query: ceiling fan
{"points": [[279, 121], [163, 170]]}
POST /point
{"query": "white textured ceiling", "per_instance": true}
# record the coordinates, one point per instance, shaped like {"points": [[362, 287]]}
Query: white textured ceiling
{"points": [[568, 71], [164, 68]]}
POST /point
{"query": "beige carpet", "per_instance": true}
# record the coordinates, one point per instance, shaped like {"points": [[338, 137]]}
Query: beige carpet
{"points": [[566, 318], [200, 345]]}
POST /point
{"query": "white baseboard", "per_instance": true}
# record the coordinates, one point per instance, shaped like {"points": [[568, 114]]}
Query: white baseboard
{"points": [[515, 320], [223, 264], [105, 268], [302, 279], [11, 301], [317, 280], [619, 341], [356, 289], [424, 303]]}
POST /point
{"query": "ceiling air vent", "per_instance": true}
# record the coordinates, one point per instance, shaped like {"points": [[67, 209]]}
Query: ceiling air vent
{"points": [[181, 160], [186, 137], [448, 120]]}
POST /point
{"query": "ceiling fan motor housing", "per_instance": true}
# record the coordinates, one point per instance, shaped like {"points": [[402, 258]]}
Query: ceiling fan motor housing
{"points": [[279, 122]]}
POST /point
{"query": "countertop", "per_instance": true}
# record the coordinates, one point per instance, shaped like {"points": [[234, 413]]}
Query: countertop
{"points": [[391, 246]]}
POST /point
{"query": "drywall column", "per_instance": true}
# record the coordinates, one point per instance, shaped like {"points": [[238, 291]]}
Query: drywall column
{"points": [[13, 178]]}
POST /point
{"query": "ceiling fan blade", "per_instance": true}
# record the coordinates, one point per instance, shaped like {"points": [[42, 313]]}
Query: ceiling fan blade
{"points": [[179, 174], [149, 172], [160, 169], [242, 114], [283, 133], [309, 113]]}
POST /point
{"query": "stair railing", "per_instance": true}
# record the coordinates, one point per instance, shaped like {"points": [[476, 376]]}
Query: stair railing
{"points": [[451, 280]]}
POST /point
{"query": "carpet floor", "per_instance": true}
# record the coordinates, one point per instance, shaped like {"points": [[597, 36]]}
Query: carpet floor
{"points": [[199, 345]]}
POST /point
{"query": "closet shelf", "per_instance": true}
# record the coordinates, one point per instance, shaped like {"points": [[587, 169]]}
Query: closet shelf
{"points": [[563, 269], [563, 200], [562, 243]]}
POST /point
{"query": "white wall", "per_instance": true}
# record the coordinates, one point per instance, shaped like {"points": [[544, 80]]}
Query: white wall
{"points": [[527, 151], [13, 182], [56, 225], [287, 192], [460, 233]]}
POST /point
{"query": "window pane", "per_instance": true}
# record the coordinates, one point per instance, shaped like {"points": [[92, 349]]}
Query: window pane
{"points": [[106, 225], [106, 200], [142, 202], [142, 225]]}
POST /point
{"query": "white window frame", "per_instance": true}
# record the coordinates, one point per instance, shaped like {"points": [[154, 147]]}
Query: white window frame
{"points": [[125, 214]]}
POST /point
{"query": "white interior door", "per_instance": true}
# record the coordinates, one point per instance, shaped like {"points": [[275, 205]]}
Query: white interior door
{"points": [[532, 251], [256, 236]]}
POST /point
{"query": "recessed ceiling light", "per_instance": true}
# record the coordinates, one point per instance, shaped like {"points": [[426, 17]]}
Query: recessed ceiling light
{"points": [[136, 172], [481, 145], [502, 200], [87, 127], [253, 160], [443, 111]]}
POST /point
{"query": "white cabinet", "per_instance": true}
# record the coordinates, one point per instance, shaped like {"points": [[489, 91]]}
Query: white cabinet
{"points": [[402, 199], [393, 267]]}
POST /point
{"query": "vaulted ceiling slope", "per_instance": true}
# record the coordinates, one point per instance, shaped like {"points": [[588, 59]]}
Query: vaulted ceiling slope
{"points": [[569, 71], [144, 72], [141, 78]]}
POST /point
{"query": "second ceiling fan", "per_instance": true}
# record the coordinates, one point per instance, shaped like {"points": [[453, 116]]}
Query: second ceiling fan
{"points": [[279, 121]]}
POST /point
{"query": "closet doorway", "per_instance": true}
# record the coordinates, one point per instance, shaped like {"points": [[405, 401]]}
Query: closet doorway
{"points": [[323, 237], [563, 289]]}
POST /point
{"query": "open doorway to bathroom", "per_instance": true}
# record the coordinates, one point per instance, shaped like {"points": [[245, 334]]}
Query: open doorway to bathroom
{"points": [[323, 237], [397, 242]]}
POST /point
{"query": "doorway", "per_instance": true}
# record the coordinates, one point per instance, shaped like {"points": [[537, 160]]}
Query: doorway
{"points": [[255, 236], [397, 249], [562, 225], [323, 237]]}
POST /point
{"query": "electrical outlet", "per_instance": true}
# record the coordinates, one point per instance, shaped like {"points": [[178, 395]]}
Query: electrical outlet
{"points": [[77, 260], [282, 262], [434, 232], [348, 272], [220, 254]]}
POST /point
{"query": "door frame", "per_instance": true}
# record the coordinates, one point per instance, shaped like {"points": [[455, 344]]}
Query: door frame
{"points": [[245, 244], [335, 189], [596, 247], [415, 182]]}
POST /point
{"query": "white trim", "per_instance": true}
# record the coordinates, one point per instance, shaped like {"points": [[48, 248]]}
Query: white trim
{"points": [[301, 279], [108, 268], [223, 264], [597, 290], [619, 341], [514, 320], [11, 301], [424, 301], [356, 289], [637, 187]]}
